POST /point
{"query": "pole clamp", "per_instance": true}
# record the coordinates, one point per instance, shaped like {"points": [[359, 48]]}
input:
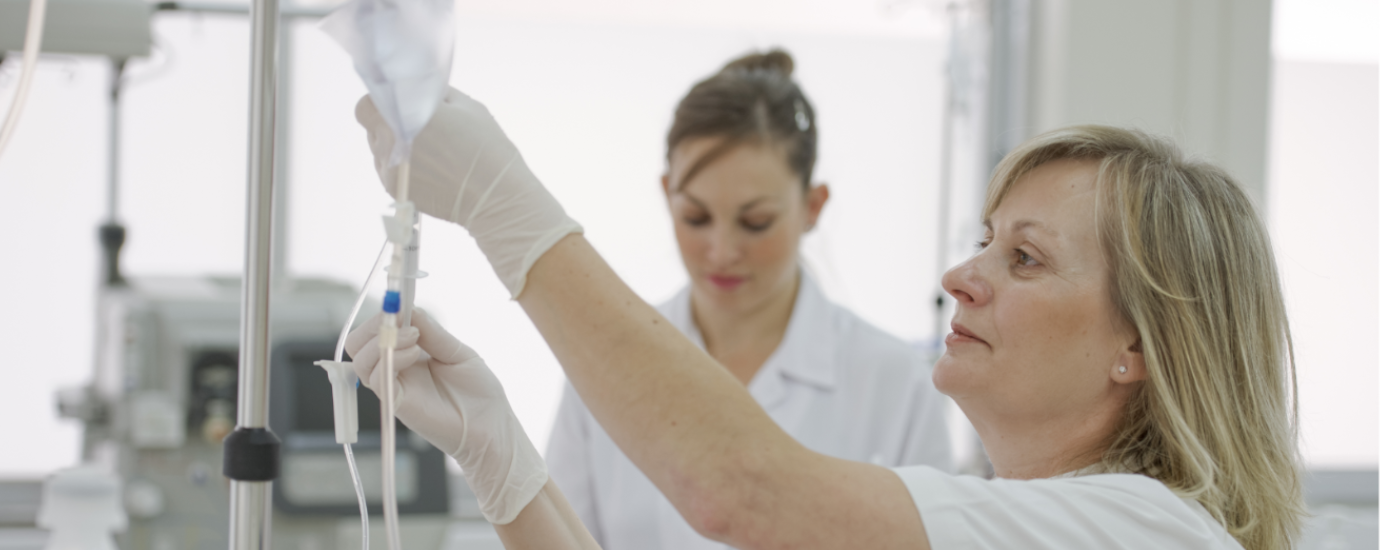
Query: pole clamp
{"points": [[251, 454]]}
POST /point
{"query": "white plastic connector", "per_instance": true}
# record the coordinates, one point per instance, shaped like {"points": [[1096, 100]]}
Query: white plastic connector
{"points": [[388, 332], [398, 225], [343, 396]]}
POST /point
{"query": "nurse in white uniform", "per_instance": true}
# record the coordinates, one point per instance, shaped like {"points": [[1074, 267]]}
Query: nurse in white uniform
{"points": [[1120, 344], [740, 154]]}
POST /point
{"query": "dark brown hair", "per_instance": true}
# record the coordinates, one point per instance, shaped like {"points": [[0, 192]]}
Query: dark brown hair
{"points": [[753, 98]]}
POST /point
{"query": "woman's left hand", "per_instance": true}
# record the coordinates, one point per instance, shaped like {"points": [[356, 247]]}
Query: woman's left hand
{"points": [[449, 396]]}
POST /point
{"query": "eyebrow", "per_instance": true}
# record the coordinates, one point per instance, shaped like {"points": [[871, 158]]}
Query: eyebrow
{"points": [[742, 209], [1024, 224]]}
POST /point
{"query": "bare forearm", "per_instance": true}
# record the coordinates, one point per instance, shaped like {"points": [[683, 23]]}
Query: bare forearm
{"points": [[547, 523], [673, 411], [695, 431]]}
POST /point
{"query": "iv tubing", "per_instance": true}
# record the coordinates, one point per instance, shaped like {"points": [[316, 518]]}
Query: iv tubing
{"points": [[404, 171], [340, 356], [388, 338], [390, 441], [359, 303], [359, 494], [33, 40]]}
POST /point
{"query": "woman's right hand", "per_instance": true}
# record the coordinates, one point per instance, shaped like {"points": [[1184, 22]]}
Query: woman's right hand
{"points": [[465, 170]]}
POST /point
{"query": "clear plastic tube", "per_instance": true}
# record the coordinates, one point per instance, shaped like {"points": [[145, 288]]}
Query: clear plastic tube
{"points": [[390, 442], [33, 41], [359, 494], [396, 275], [340, 356], [359, 303], [404, 171]]}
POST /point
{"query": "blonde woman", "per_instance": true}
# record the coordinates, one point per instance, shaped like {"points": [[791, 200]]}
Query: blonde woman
{"points": [[1119, 343]]}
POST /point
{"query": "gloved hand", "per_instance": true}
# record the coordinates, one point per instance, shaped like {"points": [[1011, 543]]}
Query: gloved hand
{"points": [[448, 395], [464, 169]]}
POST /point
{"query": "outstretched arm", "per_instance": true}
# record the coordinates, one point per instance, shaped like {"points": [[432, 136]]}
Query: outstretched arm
{"points": [[695, 431], [682, 419]]}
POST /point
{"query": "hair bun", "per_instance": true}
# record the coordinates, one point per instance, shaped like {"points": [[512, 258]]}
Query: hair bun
{"points": [[775, 59]]}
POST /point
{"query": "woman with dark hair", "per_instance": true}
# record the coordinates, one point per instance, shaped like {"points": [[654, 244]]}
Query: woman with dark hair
{"points": [[740, 157]]}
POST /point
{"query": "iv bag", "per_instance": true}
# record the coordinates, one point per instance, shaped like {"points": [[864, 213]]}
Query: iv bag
{"points": [[402, 49]]}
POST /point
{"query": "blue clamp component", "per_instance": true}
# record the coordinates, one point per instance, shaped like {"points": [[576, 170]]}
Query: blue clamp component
{"points": [[392, 301]]}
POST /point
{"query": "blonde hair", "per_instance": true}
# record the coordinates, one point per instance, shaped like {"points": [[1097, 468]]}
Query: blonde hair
{"points": [[1192, 270]]}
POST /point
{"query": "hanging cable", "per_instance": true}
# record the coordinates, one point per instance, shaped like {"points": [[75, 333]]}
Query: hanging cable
{"points": [[33, 40]]}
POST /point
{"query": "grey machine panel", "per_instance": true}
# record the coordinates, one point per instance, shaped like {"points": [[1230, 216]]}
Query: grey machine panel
{"points": [[316, 478]]}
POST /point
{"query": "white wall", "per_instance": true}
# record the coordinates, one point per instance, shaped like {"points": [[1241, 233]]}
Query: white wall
{"points": [[588, 97], [1324, 186], [1196, 70]]}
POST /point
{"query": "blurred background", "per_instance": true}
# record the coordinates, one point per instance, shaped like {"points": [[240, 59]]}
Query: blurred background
{"points": [[916, 100]]}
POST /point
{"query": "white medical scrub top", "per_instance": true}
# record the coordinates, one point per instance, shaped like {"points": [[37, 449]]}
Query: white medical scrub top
{"points": [[1124, 511], [837, 384]]}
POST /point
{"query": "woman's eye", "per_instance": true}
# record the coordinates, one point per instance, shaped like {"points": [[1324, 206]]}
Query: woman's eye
{"points": [[1025, 260], [696, 221], [756, 226], [981, 245]]}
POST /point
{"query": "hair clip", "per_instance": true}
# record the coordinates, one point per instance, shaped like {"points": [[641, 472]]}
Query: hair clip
{"points": [[802, 121]]}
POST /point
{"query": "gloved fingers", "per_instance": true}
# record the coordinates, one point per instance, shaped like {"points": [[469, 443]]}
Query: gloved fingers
{"points": [[421, 380], [404, 355], [368, 116], [368, 359], [440, 344], [372, 373], [403, 360], [379, 134], [457, 98], [358, 339]]}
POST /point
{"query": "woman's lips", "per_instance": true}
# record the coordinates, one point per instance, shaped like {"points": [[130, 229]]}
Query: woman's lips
{"points": [[726, 282], [961, 335]]}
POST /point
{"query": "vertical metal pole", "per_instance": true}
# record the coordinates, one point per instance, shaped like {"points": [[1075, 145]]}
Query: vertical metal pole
{"points": [[112, 181], [282, 181], [111, 233], [250, 501], [253, 398]]}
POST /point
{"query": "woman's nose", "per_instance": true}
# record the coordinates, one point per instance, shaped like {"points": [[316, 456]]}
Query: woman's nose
{"points": [[965, 283], [724, 249]]}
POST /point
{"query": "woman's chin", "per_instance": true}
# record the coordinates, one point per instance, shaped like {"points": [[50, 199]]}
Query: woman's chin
{"points": [[951, 377]]}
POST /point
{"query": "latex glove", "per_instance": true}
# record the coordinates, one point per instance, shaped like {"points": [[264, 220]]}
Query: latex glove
{"points": [[464, 169], [449, 396]]}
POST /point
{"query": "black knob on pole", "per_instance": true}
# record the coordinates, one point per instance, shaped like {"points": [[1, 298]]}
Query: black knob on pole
{"points": [[112, 236]]}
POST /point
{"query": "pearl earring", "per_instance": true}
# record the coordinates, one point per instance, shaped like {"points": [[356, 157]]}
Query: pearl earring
{"points": [[1121, 369]]}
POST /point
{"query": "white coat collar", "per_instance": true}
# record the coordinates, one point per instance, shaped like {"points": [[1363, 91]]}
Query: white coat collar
{"points": [[807, 353]]}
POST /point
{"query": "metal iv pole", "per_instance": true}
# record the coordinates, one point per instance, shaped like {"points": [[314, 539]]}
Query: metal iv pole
{"points": [[251, 451]]}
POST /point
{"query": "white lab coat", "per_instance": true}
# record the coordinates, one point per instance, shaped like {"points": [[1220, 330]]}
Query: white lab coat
{"points": [[1126, 511], [837, 384]]}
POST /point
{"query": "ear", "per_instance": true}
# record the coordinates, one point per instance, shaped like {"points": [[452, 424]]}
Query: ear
{"points": [[815, 200], [1134, 360], [666, 186]]}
